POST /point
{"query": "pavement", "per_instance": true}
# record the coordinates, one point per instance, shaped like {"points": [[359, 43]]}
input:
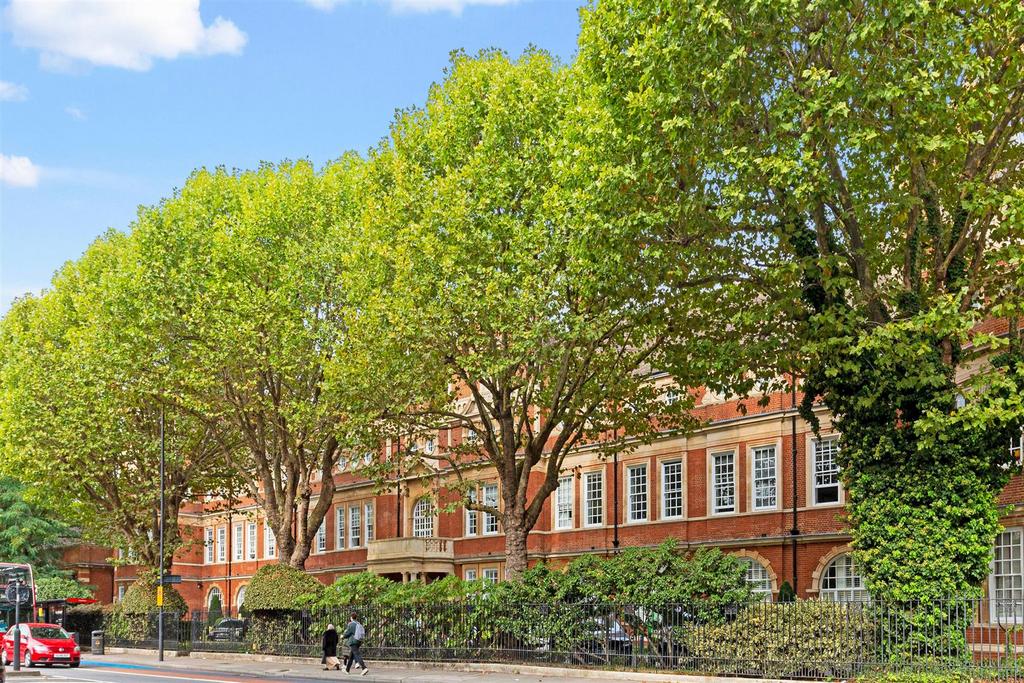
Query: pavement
{"points": [[143, 668]]}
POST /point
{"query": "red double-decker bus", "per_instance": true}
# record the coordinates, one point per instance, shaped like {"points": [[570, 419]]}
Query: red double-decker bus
{"points": [[16, 582]]}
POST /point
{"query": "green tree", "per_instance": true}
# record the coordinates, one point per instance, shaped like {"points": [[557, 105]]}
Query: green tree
{"points": [[61, 588], [243, 270], [495, 306], [29, 533], [860, 165], [84, 376]]}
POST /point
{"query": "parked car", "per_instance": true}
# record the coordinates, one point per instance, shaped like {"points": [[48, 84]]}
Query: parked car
{"points": [[46, 644], [228, 628]]}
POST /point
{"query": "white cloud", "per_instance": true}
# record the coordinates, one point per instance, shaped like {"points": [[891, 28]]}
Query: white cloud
{"points": [[128, 34], [12, 92], [453, 6], [75, 113], [18, 171]]}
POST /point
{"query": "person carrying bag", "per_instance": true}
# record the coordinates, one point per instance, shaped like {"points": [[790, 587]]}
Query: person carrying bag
{"points": [[354, 635]]}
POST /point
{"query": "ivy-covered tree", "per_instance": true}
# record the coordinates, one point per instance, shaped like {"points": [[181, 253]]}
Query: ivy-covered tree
{"points": [[496, 305], [29, 533], [862, 163]]}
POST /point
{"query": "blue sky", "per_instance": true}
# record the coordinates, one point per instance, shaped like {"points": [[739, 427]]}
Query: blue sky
{"points": [[109, 104]]}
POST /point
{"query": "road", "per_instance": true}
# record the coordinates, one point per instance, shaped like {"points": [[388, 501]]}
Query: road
{"points": [[106, 673]]}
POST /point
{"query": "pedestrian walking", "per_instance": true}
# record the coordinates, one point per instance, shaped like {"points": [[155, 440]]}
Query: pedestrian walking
{"points": [[354, 635], [330, 644]]}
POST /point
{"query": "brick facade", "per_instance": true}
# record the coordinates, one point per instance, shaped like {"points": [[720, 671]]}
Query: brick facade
{"points": [[795, 539]]}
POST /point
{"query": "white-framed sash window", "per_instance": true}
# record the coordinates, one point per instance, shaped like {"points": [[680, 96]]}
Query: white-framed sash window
{"points": [[723, 482]]}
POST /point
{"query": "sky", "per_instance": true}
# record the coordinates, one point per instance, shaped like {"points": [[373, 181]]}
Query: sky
{"points": [[106, 105]]}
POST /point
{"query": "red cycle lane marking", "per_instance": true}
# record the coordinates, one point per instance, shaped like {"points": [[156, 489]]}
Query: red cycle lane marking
{"points": [[182, 676]]}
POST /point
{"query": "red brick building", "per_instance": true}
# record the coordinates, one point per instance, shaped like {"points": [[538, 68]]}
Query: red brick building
{"points": [[755, 482]]}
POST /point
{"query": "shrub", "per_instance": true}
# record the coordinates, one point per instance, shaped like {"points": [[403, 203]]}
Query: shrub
{"points": [[281, 587], [84, 619], [215, 612], [917, 677], [357, 588], [60, 588], [807, 638], [132, 619]]}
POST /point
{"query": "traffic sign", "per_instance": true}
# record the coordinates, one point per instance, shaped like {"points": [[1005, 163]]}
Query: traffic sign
{"points": [[171, 578], [159, 596], [18, 593]]}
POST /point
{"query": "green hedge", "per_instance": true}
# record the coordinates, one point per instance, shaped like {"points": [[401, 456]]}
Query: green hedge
{"points": [[60, 588], [281, 587], [807, 638], [132, 620], [908, 677]]}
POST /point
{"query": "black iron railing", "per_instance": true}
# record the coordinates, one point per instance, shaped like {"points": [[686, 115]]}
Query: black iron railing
{"points": [[806, 639]]}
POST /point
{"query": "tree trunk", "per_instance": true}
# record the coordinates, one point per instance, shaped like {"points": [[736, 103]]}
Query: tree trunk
{"points": [[516, 532]]}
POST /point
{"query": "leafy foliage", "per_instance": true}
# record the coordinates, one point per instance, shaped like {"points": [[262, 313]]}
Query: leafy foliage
{"points": [[280, 587], [83, 377], [806, 638], [29, 533], [533, 319], [133, 618], [60, 588], [244, 271], [857, 170]]}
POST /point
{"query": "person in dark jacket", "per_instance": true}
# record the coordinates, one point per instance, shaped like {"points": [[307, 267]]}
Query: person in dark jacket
{"points": [[354, 635], [330, 659]]}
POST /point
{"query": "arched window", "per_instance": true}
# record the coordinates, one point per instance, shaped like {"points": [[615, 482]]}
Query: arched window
{"points": [[214, 594], [759, 579], [423, 518], [841, 581], [240, 599]]}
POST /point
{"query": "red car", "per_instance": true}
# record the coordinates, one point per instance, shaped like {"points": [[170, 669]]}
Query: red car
{"points": [[41, 644]]}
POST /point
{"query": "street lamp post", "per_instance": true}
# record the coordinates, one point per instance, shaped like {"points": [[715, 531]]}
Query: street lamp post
{"points": [[160, 561], [17, 626]]}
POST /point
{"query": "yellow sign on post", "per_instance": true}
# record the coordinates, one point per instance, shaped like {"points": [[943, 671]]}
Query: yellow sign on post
{"points": [[159, 596]]}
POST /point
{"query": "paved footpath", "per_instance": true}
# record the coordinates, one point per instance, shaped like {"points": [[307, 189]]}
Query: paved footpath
{"points": [[143, 668]]}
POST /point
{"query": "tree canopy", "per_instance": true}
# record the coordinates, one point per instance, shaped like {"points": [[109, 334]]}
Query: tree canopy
{"points": [[29, 533], [83, 376], [859, 166], [496, 306]]}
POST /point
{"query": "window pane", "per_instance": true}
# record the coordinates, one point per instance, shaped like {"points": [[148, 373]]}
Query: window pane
{"points": [[423, 519], [759, 579], [563, 504], [269, 541], [1008, 577], [471, 516], [637, 483], [251, 538], [368, 513], [490, 498], [355, 527], [672, 489], [593, 484], [723, 474], [841, 582], [826, 471], [209, 546], [339, 528], [321, 536], [765, 478]]}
